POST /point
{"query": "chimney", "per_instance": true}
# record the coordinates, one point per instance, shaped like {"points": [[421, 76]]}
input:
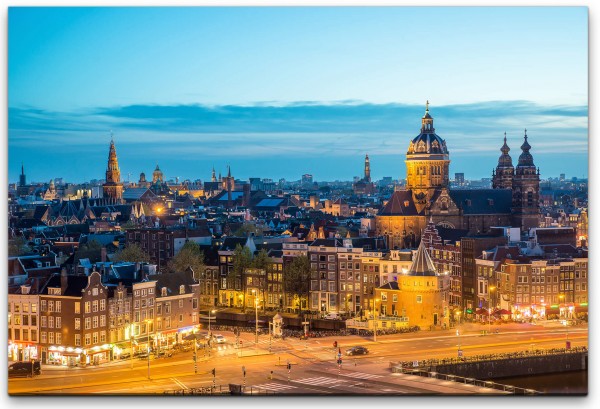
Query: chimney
{"points": [[246, 199], [63, 280]]}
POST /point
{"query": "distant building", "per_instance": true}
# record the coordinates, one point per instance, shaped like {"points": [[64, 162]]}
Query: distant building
{"points": [[459, 179], [307, 179]]}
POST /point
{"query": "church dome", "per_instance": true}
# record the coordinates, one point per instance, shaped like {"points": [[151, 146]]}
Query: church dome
{"points": [[427, 142]]}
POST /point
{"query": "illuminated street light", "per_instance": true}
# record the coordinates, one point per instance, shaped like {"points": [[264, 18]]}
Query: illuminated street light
{"points": [[375, 320], [148, 321], [490, 289], [209, 318]]}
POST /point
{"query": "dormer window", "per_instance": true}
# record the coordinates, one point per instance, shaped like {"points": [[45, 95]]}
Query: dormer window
{"points": [[182, 289], [163, 291], [406, 203], [53, 291]]}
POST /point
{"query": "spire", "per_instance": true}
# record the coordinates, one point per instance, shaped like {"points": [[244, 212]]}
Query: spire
{"points": [[228, 171], [367, 169], [427, 121], [422, 265], [525, 159], [213, 178], [22, 169]]}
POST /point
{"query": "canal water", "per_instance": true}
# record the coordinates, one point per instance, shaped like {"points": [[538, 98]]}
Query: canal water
{"points": [[566, 383]]}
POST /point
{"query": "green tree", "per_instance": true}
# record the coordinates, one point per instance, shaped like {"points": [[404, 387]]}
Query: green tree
{"points": [[190, 256], [128, 225], [17, 247], [132, 253], [248, 228], [296, 279], [91, 250], [262, 262], [242, 260]]}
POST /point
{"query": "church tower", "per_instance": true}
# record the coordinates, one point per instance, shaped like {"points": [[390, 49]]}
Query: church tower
{"points": [[526, 191], [503, 176], [22, 178], [214, 177], [113, 188], [427, 162], [367, 169]]}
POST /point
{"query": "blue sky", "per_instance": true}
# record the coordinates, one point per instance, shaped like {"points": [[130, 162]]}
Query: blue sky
{"points": [[278, 92]]}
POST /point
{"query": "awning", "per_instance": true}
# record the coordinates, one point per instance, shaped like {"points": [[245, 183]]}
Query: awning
{"points": [[501, 311], [481, 311]]}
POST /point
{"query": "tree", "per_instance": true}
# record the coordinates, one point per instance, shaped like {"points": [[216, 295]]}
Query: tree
{"points": [[132, 253], [190, 256], [262, 262], [248, 228], [242, 260], [296, 278], [130, 224], [17, 247], [91, 250]]}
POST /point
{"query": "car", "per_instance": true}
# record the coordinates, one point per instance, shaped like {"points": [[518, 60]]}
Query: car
{"points": [[332, 316], [220, 339], [125, 355], [24, 369], [358, 350]]}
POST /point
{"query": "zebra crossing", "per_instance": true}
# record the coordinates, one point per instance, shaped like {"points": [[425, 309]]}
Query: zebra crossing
{"points": [[274, 387], [361, 375], [320, 381]]}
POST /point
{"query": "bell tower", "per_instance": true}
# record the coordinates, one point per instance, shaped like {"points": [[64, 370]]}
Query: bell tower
{"points": [[113, 188], [367, 169], [502, 177], [526, 191]]}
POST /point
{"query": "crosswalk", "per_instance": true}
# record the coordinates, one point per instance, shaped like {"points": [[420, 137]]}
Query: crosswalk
{"points": [[275, 387], [361, 375], [320, 381]]}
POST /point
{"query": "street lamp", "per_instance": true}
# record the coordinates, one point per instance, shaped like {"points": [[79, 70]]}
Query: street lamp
{"points": [[148, 321], [375, 320], [490, 289], [256, 317], [209, 319]]}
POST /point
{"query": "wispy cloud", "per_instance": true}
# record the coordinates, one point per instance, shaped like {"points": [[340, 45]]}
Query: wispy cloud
{"points": [[302, 130]]}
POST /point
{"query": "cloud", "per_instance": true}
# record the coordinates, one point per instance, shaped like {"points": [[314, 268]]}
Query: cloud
{"points": [[302, 130]]}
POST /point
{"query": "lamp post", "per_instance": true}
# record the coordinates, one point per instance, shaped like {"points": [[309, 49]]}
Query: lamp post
{"points": [[209, 319], [375, 320], [490, 289], [256, 317], [148, 321], [459, 352]]}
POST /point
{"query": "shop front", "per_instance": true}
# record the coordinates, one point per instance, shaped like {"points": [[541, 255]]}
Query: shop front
{"points": [[98, 355], [19, 351], [63, 356]]}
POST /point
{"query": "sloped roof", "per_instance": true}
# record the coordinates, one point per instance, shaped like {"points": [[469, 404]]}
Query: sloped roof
{"points": [[422, 264], [482, 201], [172, 281], [392, 285], [75, 284], [400, 204]]}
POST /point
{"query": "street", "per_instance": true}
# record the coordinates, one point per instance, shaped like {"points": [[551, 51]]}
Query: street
{"points": [[314, 368]]}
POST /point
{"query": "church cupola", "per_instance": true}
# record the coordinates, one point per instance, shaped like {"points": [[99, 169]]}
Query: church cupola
{"points": [[427, 161], [502, 178], [367, 169], [526, 190], [525, 159]]}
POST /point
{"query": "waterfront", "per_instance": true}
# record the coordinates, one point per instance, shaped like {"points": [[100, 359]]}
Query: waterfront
{"points": [[567, 383]]}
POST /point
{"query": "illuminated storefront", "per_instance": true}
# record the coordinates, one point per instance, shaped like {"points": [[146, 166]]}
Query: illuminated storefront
{"points": [[22, 351]]}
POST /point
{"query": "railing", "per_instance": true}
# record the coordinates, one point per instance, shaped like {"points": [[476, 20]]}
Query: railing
{"points": [[206, 390], [470, 381], [429, 363], [254, 390]]}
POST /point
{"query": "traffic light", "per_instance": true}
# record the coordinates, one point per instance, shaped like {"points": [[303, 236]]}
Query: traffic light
{"points": [[289, 366], [214, 372]]}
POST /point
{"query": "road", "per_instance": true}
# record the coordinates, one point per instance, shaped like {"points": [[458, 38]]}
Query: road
{"points": [[313, 370]]}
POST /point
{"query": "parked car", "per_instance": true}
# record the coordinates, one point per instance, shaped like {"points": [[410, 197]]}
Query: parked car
{"points": [[358, 350], [332, 316], [220, 339], [125, 355], [24, 369]]}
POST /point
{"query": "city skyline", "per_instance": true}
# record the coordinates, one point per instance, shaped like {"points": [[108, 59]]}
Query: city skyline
{"points": [[196, 87]]}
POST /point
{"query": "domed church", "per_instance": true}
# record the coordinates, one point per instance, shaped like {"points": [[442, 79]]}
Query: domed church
{"points": [[513, 201]]}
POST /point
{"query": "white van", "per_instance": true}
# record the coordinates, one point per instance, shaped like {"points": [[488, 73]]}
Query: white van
{"points": [[332, 316]]}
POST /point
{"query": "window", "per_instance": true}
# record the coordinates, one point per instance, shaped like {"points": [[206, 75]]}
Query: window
{"points": [[194, 303], [77, 323], [95, 306], [34, 307], [102, 304], [419, 299], [87, 307], [51, 337], [103, 320], [43, 321], [163, 291], [102, 336], [77, 340], [77, 307], [50, 306], [51, 322], [95, 338], [383, 296], [43, 337], [182, 289], [95, 321], [58, 306], [180, 303], [395, 297], [180, 317], [34, 335], [88, 323], [58, 322], [58, 338]]}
